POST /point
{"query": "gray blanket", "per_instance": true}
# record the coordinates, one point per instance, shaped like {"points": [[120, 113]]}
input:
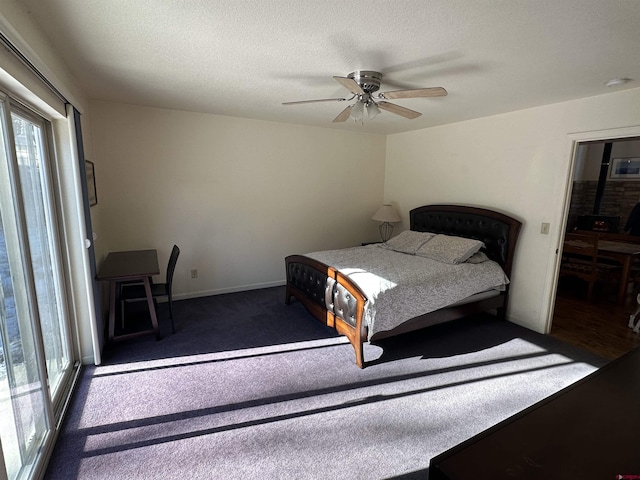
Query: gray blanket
{"points": [[401, 286]]}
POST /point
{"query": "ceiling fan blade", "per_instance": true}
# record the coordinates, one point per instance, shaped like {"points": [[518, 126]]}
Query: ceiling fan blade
{"points": [[344, 114], [351, 85], [398, 110], [415, 93], [315, 101]]}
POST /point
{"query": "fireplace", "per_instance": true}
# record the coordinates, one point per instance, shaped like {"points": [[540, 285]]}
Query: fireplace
{"points": [[598, 223]]}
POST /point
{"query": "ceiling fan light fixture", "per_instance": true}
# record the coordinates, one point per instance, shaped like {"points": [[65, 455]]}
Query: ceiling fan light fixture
{"points": [[357, 111], [372, 110]]}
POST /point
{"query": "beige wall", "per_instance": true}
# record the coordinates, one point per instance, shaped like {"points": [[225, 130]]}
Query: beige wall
{"points": [[235, 195], [518, 163]]}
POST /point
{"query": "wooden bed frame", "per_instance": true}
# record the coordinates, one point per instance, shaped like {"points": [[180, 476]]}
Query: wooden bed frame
{"points": [[339, 303]]}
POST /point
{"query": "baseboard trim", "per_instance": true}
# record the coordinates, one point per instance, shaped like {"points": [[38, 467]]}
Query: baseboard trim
{"points": [[220, 291]]}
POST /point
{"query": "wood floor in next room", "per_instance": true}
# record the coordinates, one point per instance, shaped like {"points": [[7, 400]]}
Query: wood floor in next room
{"points": [[599, 326]]}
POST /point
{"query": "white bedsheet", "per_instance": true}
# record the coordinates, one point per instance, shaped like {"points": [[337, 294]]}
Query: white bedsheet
{"points": [[401, 286]]}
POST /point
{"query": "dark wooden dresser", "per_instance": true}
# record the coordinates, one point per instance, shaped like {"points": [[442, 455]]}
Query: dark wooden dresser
{"points": [[588, 430]]}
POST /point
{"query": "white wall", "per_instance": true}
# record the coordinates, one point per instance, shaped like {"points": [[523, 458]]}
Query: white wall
{"points": [[235, 195], [518, 163]]}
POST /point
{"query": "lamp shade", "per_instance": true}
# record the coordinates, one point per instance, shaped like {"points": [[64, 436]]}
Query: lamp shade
{"points": [[357, 111], [372, 110], [386, 213]]}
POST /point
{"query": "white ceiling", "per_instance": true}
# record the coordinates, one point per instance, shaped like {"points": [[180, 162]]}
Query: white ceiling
{"points": [[245, 57]]}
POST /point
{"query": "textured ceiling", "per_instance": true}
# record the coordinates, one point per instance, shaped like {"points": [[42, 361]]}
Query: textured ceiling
{"points": [[245, 57]]}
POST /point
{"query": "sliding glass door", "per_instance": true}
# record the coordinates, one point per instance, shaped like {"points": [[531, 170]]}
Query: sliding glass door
{"points": [[35, 353]]}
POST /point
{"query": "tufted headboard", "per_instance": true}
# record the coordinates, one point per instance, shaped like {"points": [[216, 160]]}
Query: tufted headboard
{"points": [[498, 231]]}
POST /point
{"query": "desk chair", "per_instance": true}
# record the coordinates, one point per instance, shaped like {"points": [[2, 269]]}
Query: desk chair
{"points": [[136, 293]]}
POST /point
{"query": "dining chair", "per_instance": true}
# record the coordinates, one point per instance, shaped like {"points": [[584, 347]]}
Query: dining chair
{"points": [[136, 293], [580, 259]]}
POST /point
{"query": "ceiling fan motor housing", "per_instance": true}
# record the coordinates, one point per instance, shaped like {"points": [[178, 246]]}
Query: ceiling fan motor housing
{"points": [[368, 80]]}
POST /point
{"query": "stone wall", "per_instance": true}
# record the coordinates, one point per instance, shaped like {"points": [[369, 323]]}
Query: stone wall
{"points": [[618, 200]]}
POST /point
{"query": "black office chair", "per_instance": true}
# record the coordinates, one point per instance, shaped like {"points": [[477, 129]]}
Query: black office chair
{"points": [[136, 293]]}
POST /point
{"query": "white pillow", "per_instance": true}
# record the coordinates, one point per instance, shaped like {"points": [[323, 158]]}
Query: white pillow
{"points": [[449, 249], [408, 241]]}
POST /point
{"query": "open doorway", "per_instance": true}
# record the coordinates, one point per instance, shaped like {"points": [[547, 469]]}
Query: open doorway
{"points": [[604, 189]]}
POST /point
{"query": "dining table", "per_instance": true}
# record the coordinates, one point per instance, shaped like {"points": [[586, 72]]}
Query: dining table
{"points": [[127, 267], [623, 253]]}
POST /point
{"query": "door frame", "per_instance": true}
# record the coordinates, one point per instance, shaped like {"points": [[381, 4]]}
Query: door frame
{"points": [[574, 140]]}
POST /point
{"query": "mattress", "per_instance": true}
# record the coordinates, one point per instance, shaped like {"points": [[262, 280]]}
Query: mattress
{"points": [[401, 286]]}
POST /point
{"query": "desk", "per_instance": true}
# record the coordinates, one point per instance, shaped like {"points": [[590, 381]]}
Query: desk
{"points": [[588, 430], [138, 265], [621, 252]]}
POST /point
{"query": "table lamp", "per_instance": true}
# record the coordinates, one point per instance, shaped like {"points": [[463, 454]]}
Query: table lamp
{"points": [[387, 215]]}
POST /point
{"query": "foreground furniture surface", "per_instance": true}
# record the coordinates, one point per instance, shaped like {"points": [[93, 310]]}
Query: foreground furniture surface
{"points": [[589, 430], [338, 302], [128, 266]]}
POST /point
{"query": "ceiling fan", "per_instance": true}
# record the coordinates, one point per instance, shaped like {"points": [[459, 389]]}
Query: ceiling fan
{"points": [[363, 84]]}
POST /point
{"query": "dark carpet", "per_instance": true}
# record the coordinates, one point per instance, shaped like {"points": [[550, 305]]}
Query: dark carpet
{"points": [[249, 388]]}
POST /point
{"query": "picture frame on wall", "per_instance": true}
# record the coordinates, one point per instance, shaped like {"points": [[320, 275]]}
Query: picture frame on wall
{"points": [[91, 183], [625, 168]]}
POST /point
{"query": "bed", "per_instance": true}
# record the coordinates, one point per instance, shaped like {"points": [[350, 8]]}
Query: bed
{"points": [[337, 287]]}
